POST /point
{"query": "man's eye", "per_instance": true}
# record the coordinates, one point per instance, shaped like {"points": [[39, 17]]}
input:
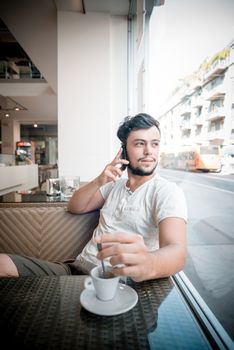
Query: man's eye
{"points": [[155, 144], [139, 144]]}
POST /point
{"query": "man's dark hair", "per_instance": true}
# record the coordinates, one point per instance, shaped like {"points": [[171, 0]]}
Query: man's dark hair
{"points": [[139, 121]]}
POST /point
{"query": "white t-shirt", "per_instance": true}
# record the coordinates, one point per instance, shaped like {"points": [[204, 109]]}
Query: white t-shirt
{"points": [[136, 212]]}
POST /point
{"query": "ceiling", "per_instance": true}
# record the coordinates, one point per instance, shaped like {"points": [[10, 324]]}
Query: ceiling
{"points": [[36, 101], [37, 97]]}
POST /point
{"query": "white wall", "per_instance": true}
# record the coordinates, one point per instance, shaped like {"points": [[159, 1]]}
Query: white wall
{"points": [[19, 177], [92, 90], [118, 76]]}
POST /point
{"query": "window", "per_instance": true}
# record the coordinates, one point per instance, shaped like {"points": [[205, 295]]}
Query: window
{"points": [[140, 20], [198, 130], [208, 274]]}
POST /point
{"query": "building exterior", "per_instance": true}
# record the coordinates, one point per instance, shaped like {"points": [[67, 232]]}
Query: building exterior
{"points": [[201, 109]]}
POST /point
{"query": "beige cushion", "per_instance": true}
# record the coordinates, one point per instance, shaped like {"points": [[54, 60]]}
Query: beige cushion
{"points": [[49, 233]]}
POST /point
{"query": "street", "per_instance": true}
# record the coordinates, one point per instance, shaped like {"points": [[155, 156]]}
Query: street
{"points": [[209, 267]]}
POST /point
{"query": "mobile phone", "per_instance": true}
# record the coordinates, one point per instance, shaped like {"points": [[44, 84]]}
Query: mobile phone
{"points": [[124, 155]]}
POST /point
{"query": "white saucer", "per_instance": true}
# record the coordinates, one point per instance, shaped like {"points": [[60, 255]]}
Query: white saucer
{"points": [[125, 299]]}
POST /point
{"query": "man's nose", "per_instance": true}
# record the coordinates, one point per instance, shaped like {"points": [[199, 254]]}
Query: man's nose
{"points": [[148, 149]]}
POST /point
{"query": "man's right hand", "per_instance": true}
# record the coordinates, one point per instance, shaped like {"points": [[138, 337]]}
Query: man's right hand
{"points": [[112, 171], [88, 197]]}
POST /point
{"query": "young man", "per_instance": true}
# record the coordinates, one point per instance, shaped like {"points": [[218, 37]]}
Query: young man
{"points": [[142, 226]]}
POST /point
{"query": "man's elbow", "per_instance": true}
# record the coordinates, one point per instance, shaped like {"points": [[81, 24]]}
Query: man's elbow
{"points": [[182, 258], [74, 210]]}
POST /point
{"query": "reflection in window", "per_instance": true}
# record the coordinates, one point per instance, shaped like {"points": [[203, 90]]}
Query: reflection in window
{"points": [[201, 105]]}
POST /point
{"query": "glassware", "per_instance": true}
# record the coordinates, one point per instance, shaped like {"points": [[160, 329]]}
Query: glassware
{"points": [[52, 187], [68, 185]]}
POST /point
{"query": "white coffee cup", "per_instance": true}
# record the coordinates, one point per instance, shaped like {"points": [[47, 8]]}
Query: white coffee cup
{"points": [[105, 288]]}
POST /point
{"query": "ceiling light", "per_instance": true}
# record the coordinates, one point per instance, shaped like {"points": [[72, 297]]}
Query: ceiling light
{"points": [[35, 125], [7, 115], [8, 104]]}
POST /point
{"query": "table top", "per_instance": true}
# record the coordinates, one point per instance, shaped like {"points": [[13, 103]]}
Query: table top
{"points": [[45, 313], [29, 196], [35, 197]]}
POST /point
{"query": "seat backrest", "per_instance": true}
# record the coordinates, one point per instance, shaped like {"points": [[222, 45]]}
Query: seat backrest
{"points": [[50, 233]]}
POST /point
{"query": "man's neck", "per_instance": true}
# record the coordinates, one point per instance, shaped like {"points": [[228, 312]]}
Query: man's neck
{"points": [[135, 181]]}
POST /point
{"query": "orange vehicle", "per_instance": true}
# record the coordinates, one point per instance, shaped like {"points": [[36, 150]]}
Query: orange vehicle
{"points": [[192, 158]]}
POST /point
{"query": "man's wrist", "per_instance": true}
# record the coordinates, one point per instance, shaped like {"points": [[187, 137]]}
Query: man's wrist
{"points": [[97, 182]]}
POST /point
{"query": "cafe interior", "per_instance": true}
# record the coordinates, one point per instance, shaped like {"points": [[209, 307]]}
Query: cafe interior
{"points": [[70, 71]]}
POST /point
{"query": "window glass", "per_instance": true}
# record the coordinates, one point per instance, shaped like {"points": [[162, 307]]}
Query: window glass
{"points": [[192, 95]]}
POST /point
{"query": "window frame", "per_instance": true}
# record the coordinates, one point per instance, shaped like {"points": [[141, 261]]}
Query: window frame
{"points": [[213, 329]]}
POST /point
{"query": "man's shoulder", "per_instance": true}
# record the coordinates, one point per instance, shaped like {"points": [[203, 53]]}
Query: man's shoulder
{"points": [[158, 180], [160, 183]]}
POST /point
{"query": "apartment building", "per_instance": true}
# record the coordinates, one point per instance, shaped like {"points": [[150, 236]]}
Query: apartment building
{"points": [[201, 110]]}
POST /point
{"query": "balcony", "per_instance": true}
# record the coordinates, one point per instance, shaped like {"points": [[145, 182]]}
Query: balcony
{"points": [[198, 139], [185, 110], [185, 125], [9, 70], [215, 94], [217, 135], [217, 68], [198, 121], [216, 113]]}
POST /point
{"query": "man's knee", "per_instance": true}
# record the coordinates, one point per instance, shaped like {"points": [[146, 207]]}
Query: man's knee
{"points": [[7, 267]]}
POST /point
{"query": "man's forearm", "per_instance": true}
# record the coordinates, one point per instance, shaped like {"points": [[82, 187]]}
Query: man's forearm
{"points": [[83, 199], [167, 261], [88, 197]]}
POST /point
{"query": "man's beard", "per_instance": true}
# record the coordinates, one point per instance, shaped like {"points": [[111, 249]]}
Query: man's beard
{"points": [[139, 171]]}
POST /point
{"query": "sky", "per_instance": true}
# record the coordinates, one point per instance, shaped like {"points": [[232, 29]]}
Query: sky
{"points": [[182, 34]]}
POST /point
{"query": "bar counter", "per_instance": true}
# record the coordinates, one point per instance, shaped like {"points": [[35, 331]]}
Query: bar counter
{"points": [[45, 313]]}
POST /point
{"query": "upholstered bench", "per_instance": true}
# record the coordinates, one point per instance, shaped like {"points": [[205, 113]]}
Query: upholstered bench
{"points": [[47, 232]]}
